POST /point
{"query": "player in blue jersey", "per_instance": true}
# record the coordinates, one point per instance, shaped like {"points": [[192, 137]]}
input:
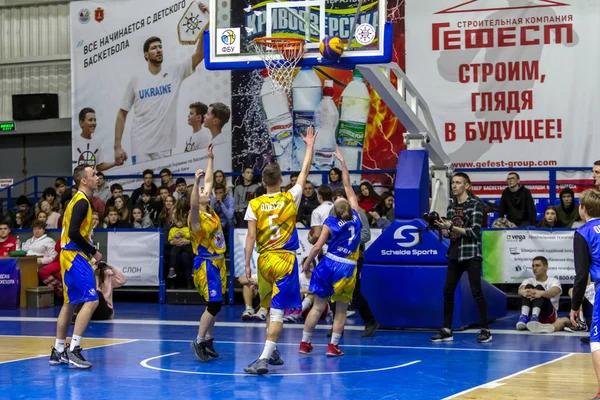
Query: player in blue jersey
{"points": [[335, 275], [586, 248]]}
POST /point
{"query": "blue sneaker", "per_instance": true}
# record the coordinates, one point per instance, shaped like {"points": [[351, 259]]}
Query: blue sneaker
{"points": [[522, 324], [534, 318]]}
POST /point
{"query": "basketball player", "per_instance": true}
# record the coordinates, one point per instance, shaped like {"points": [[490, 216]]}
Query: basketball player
{"points": [[209, 271], [586, 247], [78, 276], [89, 147], [335, 275], [272, 225], [463, 227], [153, 96], [200, 136]]}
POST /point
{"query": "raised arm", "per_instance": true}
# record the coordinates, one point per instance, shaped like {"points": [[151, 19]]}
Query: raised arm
{"points": [[209, 177], [352, 199], [195, 203], [198, 55], [309, 139]]}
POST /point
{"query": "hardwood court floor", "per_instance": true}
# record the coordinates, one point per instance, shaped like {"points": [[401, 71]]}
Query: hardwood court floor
{"points": [[145, 353]]}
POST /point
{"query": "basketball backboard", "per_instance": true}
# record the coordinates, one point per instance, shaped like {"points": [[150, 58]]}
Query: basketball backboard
{"points": [[234, 24]]}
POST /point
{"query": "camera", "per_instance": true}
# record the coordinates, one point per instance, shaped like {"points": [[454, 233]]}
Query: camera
{"points": [[431, 219]]}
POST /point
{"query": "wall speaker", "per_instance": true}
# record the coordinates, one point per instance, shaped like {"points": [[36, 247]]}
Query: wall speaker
{"points": [[27, 107]]}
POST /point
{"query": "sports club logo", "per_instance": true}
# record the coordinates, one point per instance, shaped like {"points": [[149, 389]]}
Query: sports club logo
{"points": [[228, 37], [87, 156], [219, 240], [471, 6], [99, 14], [84, 16], [408, 239], [364, 34]]}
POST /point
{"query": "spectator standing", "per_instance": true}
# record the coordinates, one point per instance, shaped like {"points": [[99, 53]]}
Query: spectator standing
{"points": [[308, 203]]}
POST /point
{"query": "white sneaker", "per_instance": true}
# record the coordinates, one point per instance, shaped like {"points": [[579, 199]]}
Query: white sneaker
{"points": [[350, 313], [261, 314], [248, 314], [538, 327]]}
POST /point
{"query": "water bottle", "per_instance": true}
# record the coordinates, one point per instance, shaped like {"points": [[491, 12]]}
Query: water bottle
{"points": [[306, 96], [354, 109], [279, 122], [326, 123], [18, 244]]}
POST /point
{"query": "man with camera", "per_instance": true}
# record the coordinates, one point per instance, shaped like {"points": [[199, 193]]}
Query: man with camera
{"points": [[463, 227]]}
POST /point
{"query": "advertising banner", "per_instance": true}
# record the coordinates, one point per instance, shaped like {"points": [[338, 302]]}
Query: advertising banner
{"points": [[510, 83], [507, 255], [141, 95], [136, 254]]}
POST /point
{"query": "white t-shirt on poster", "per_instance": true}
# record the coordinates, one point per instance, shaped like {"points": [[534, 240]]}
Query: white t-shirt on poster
{"points": [[549, 284], [154, 102], [198, 140], [87, 151]]}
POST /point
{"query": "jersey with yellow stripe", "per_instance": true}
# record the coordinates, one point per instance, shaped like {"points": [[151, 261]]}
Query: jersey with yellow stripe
{"points": [[86, 226], [275, 216], [209, 241]]}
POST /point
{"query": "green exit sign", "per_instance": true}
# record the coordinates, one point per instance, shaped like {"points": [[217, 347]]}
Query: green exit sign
{"points": [[8, 126]]}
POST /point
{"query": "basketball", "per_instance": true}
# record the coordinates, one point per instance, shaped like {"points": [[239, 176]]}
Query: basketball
{"points": [[331, 48]]}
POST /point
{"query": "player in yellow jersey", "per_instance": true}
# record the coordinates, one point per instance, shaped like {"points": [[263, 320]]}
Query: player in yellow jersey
{"points": [[75, 265], [209, 272], [272, 226]]}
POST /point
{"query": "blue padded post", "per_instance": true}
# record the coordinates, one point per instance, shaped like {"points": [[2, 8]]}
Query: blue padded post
{"points": [[411, 190]]}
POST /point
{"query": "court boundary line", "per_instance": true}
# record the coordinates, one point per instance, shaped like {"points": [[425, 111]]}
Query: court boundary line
{"points": [[262, 325], [144, 363], [508, 376], [433, 347], [125, 341]]}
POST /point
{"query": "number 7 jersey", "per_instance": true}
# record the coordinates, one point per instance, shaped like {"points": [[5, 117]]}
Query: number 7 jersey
{"points": [[345, 236], [275, 216]]}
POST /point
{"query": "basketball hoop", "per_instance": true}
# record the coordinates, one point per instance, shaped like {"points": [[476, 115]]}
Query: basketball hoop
{"points": [[281, 55]]}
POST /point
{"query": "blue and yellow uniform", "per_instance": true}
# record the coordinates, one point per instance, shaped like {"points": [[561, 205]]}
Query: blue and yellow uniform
{"points": [[276, 244], [209, 264], [77, 272], [335, 275]]}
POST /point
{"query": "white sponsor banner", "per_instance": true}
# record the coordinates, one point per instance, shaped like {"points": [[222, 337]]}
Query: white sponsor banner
{"points": [[136, 254], [508, 254], [141, 97], [510, 83], [239, 246]]}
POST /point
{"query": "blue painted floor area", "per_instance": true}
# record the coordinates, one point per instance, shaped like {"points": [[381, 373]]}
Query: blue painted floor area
{"points": [[160, 364]]}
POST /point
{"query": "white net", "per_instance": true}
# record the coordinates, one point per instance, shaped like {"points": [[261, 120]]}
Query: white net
{"points": [[281, 57], [395, 10]]}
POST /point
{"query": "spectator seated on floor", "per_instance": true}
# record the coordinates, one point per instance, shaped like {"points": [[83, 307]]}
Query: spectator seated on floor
{"points": [[7, 242], [50, 274], [250, 293], [40, 244], [540, 297], [107, 279]]}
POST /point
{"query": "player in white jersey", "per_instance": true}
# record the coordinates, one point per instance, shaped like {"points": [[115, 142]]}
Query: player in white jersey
{"points": [[87, 146], [201, 136], [153, 96]]}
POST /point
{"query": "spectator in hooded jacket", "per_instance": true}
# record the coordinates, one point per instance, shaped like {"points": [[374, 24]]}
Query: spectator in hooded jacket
{"points": [[517, 203], [567, 213]]}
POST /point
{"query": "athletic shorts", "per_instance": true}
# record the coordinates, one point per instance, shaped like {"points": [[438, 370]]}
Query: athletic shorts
{"points": [[210, 277], [334, 276], [79, 283], [278, 281], [595, 326]]}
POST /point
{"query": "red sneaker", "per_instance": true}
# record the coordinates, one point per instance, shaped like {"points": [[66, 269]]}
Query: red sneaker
{"points": [[333, 350], [305, 348]]}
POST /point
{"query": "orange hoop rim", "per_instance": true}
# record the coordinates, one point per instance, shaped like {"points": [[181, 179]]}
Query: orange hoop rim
{"points": [[290, 48]]}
